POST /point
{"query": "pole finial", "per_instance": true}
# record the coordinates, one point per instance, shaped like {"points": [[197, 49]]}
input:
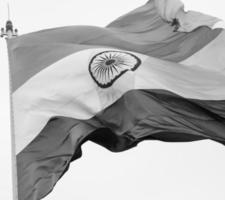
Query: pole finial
{"points": [[8, 32]]}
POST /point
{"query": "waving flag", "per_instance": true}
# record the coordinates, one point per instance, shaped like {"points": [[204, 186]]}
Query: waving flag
{"points": [[155, 73]]}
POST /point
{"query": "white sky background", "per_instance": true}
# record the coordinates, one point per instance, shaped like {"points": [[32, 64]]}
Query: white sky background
{"points": [[153, 170]]}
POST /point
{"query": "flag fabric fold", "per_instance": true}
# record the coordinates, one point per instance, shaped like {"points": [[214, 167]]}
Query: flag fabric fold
{"points": [[187, 21], [156, 73]]}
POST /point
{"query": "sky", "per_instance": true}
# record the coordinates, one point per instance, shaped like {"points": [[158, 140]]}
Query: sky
{"points": [[153, 170]]}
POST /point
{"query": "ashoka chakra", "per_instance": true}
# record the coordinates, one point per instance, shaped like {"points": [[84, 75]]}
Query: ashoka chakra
{"points": [[106, 67]]}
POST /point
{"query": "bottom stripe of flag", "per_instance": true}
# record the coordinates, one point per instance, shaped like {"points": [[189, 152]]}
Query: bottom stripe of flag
{"points": [[138, 115]]}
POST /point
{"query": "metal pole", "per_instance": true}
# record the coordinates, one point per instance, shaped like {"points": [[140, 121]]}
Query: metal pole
{"points": [[8, 11]]}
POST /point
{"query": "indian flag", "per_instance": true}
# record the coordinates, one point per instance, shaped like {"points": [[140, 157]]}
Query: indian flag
{"points": [[156, 73]]}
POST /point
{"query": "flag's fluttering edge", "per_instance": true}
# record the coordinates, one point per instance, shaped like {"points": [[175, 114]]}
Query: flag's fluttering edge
{"points": [[155, 73]]}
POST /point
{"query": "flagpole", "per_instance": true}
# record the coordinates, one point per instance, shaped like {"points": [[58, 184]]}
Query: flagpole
{"points": [[9, 32], [12, 130]]}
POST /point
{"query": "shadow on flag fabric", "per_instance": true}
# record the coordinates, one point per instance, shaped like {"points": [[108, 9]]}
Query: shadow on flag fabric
{"points": [[156, 73]]}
